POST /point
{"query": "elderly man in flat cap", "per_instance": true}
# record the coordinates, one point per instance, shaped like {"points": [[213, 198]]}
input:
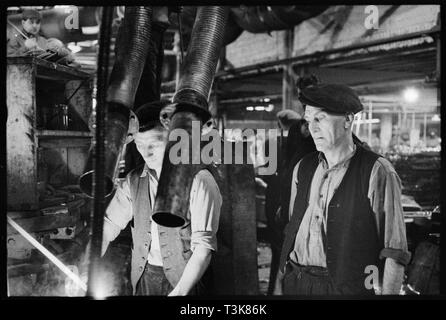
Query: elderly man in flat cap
{"points": [[346, 234]]}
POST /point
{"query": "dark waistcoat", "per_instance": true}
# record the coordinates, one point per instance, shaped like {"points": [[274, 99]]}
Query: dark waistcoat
{"points": [[174, 242], [352, 241]]}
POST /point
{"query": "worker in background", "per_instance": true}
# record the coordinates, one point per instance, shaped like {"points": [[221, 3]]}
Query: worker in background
{"points": [[28, 40], [346, 217], [296, 142], [165, 261]]}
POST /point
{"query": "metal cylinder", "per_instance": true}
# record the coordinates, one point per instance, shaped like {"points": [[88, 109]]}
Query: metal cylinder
{"points": [[116, 129], [258, 19], [198, 69], [172, 198], [131, 49], [191, 99]]}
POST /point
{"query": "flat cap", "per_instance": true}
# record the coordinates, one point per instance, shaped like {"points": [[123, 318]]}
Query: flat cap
{"points": [[31, 14], [149, 114], [334, 98]]}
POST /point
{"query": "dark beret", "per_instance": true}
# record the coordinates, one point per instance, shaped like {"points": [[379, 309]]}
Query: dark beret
{"points": [[149, 114], [334, 98], [31, 14], [287, 117]]}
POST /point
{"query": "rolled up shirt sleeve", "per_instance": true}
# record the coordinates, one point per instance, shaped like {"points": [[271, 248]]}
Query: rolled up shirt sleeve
{"points": [[118, 213], [385, 199], [205, 204]]}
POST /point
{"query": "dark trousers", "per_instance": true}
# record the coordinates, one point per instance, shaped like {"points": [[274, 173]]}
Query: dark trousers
{"points": [[153, 282], [310, 280], [307, 280]]}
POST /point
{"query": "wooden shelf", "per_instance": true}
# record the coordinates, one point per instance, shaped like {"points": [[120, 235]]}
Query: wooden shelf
{"points": [[63, 134], [50, 70]]}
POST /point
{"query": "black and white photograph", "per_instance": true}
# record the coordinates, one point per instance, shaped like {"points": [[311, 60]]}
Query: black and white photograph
{"points": [[285, 152]]}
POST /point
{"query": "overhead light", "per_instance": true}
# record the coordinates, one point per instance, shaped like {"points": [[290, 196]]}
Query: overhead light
{"points": [[411, 95], [249, 108], [90, 30], [368, 121], [436, 118], [269, 108], [87, 43], [259, 108]]}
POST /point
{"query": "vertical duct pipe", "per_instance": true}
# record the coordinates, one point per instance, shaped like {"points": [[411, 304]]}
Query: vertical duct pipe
{"points": [[98, 152], [191, 101], [132, 44]]}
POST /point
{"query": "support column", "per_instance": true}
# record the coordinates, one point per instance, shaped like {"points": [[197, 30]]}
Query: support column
{"points": [[386, 132], [288, 73], [438, 74], [370, 124]]}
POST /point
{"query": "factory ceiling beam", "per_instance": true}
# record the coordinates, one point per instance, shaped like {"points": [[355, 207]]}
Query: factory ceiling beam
{"points": [[231, 73]]}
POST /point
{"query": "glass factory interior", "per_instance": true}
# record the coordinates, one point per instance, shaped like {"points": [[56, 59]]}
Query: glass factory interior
{"points": [[53, 98]]}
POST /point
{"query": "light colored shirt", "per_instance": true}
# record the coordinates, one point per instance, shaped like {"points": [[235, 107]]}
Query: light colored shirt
{"points": [[385, 200], [205, 204]]}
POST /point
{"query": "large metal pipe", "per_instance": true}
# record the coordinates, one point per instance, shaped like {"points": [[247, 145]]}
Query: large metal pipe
{"points": [[191, 101], [131, 50], [198, 69], [258, 19]]}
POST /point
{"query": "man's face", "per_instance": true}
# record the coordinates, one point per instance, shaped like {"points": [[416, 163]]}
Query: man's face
{"points": [[328, 130], [31, 26], [304, 129], [151, 145]]}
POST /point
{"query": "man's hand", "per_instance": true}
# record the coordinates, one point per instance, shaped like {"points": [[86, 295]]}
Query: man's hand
{"points": [[31, 44], [278, 290], [393, 277], [194, 270]]}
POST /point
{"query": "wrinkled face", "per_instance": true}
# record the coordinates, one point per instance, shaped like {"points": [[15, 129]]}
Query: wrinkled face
{"points": [[328, 130], [31, 26], [151, 145]]}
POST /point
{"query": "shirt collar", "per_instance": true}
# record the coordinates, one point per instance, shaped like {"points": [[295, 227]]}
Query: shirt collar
{"points": [[343, 163], [148, 170]]}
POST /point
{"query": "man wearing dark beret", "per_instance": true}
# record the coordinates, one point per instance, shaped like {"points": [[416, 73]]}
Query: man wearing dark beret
{"points": [[165, 261], [346, 234]]}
